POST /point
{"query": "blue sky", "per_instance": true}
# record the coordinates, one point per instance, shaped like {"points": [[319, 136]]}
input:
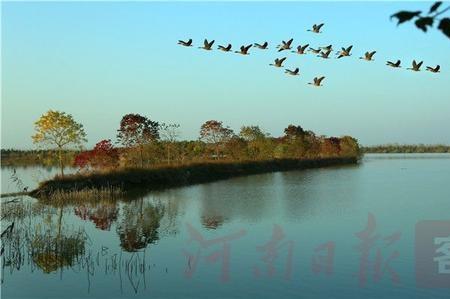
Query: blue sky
{"points": [[101, 60]]}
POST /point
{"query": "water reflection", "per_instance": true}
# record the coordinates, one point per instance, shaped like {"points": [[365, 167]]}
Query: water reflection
{"points": [[139, 225], [143, 245], [102, 215]]}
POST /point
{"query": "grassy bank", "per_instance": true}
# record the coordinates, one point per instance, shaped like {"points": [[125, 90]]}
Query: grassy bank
{"points": [[165, 177]]}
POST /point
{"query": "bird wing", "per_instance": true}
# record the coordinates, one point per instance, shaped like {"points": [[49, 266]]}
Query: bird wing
{"points": [[248, 47], [282, 59], [419, 64], [205, 43], [414, 64], [289, 42], [314, 27], [320, 26], [372, 53], [242, 48], [277, 60], [265, 44], [438, 67], [296, 70], [211, 43], [315, 80], [349, 49], [320, 79], [305, 46]]}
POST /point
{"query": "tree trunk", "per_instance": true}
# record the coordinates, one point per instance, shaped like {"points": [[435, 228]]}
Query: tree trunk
{"points": [[141, 147], [168, 153], [217, 151], [61, 164]]}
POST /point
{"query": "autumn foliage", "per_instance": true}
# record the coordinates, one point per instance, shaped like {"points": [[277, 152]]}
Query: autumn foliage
{"points": [[103, 155]]}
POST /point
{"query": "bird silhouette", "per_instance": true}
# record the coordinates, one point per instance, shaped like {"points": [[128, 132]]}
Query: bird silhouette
{"points": [[285, 45], [315, 51], [324, 54], [207, 45], [278, 62], [261, 46], [317, 81], [392, 64], [326, 48], [434, 70], [244, 50], [368, 56], [316, 28], [415, 66], [293, 73], [225, 49], [345, 52], [186, 44], [301, 49]]}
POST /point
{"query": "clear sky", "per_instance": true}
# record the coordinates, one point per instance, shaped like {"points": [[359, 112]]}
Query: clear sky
{"points": [[100, 60]]}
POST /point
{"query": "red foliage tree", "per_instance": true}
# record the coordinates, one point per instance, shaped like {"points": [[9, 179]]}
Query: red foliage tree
{"points": [[104, 155]]}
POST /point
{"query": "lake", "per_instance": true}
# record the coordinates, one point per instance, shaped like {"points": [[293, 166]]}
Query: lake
{"points": [[363, 231]]}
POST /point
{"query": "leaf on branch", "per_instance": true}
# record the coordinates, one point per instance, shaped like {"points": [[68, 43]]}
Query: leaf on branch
{"points": [[403, 16], [435, 6], [444, 26], [422, 23]]}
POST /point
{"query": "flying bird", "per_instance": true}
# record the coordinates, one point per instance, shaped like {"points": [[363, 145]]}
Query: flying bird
{"points": [[324, 54], [315, 51], [262, 47], [186, 44], [345, 52], [317, 81], [316, 28], [278, 62], [244, 50], [225, 49], [368, 56], [301, 50], [329, 47], [285, 45], [392, 64], [293, 73], [434, 70], [415, 66], [207, 45]]}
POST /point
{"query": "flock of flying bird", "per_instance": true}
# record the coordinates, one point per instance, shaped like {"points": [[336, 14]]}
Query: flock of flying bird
{"points": [[322, 52]]}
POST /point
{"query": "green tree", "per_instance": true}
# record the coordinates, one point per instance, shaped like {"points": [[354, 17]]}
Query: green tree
{"points": [[59, 129]]}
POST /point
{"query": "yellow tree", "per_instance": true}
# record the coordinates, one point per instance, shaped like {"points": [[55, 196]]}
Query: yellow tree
{"points": [[58, 129]]}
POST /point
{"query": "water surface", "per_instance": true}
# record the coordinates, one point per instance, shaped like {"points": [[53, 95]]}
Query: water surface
{"points": [[288, 234]]}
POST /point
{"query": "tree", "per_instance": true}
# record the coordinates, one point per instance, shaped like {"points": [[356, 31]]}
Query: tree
{"points": [[169, 134], [213, 132], [104, 155], [258, 142], [424, 21], [136, 131], [59, 129]]}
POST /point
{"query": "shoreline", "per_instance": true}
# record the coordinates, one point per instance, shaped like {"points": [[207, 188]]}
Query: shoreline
{"points": [[151, 179]]}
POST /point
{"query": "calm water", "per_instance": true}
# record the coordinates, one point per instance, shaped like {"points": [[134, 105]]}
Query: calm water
{"points": [[344, 232]]}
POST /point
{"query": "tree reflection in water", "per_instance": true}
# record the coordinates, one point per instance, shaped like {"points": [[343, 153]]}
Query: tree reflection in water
{"points": [[139, 225], [101, 214]]}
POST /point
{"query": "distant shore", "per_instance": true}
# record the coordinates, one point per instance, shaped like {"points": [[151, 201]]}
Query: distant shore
{"points": [[406, 149], [166, 177]]}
